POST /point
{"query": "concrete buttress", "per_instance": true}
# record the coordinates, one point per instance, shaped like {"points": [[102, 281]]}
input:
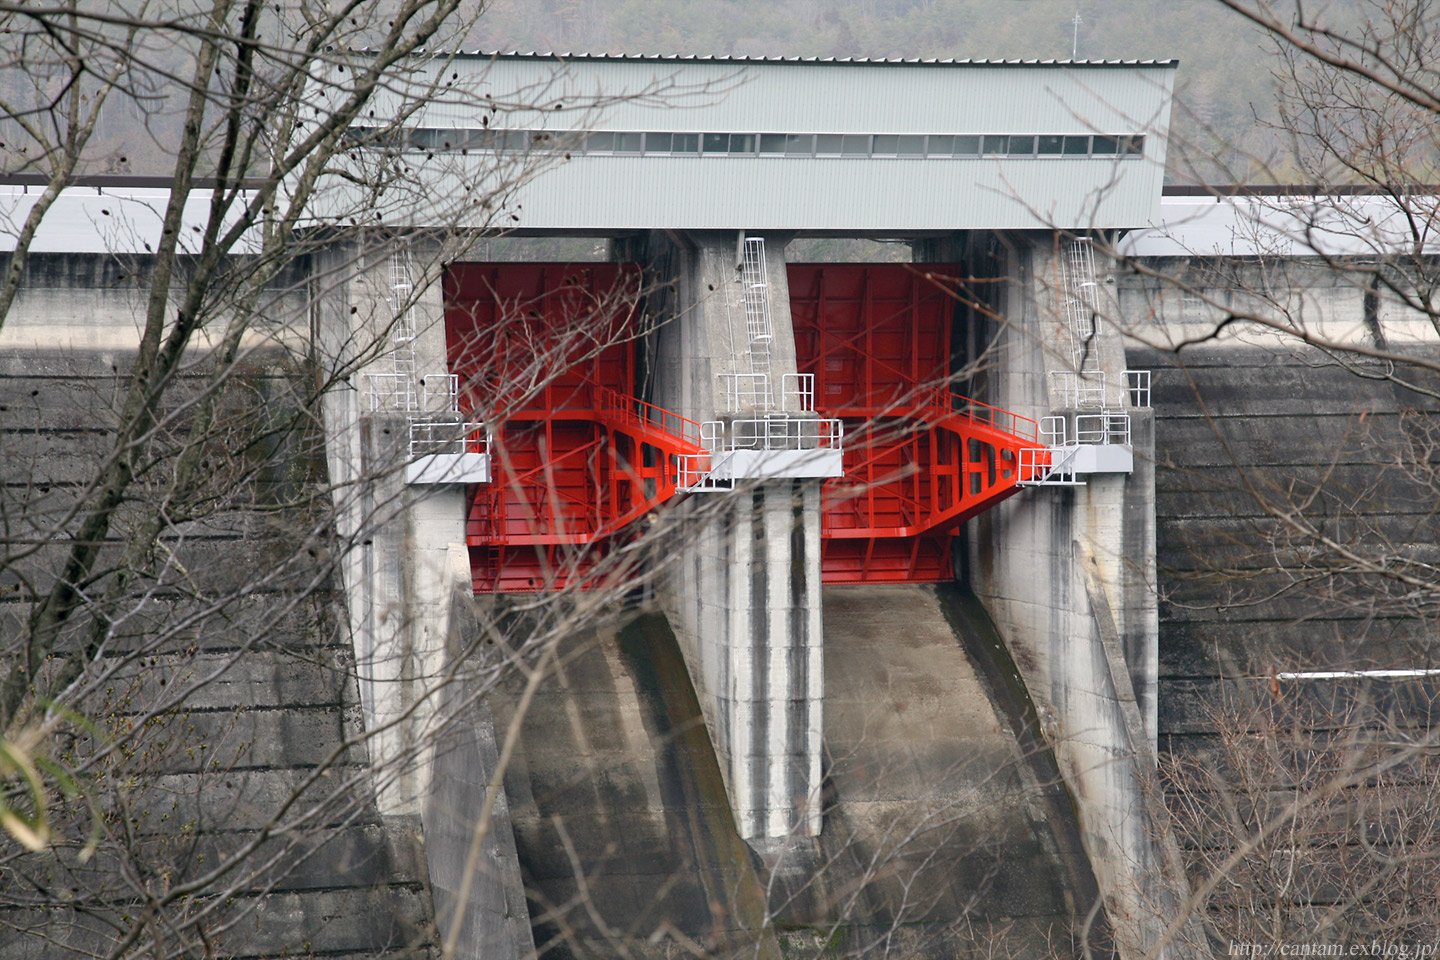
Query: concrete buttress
{"points": [[381, 334], [743, 589], [1067, 574]]}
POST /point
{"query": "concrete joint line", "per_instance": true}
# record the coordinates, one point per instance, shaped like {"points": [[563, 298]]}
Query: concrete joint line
{"points": [[1110, 641], [1190, 939]]}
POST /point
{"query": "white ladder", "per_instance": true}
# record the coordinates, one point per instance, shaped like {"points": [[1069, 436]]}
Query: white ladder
{"points": [[1077, 271], [402, 333], [756, 291]]}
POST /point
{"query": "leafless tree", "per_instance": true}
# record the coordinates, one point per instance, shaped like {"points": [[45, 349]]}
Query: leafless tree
{"points": [[1297, 550], [173, 559]]}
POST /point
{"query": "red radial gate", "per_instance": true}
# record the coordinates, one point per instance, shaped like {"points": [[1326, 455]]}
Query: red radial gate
{"points": [[546, 351], [919, 460], [545, 354]]}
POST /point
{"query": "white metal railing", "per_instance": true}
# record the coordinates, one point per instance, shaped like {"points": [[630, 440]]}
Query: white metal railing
{"points": [[440, 393], [1080, 389], [1049, 467], [693, 474], [1137, 384], [1054, 431], [391, 391], [1070, 455], [712, 470], [781, 433], [429, 436], [746, 391], [712, 434], [799, 387], [1107, 426]]}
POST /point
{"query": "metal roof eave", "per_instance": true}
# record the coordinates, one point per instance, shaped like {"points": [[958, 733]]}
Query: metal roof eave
{"points": [[566, 56]]}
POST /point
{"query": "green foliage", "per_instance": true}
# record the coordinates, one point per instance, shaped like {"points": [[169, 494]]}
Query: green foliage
{"points": [[26, 816], [33, 784]]}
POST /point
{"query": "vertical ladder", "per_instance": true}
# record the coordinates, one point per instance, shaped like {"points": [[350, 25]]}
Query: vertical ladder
{"points": [[756, 289], [1078, 277], [402, 332], [1086, 385]]}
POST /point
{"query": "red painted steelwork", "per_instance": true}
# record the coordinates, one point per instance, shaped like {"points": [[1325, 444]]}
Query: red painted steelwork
{"points": [[919, 461], [546, 351], [529, 339]]}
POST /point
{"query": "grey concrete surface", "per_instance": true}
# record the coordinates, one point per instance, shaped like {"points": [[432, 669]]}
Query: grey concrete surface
{"points": [[1023, 564], [937, 839], [744, 598], [1234, 422], [278, 693], [494, 923], [931, 821], [624, 830]]}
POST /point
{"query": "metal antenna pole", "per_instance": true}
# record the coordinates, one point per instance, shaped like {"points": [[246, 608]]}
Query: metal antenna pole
{"points": [[1075, 35]]}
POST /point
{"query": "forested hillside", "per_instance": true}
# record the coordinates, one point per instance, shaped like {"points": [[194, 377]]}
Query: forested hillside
{"points": [[1222, 130], [1225, 66]]}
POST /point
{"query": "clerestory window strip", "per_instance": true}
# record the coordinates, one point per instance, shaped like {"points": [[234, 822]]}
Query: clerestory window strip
{"points": [[611, 143]]}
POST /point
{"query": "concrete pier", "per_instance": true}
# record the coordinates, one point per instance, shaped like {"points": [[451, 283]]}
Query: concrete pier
{"points": [[743, 595], [1067, 575], [381, 335]]}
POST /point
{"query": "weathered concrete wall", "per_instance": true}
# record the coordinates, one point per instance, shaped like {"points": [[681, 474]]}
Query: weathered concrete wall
{"points": [[1294, 426], [92, 306], [236, 624], [475, 878], [395, 579], [945, 834], [1029, 560], [379, 341], [1248, 437], [741, 598], [1252, 415], [1174, 301], [625, 834], [699, 303], [743, 594]]}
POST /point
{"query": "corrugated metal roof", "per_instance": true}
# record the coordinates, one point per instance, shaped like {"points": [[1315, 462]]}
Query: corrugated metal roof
{"points": [[1286, 226], [702, 95], [114, 220], [726, 58]]}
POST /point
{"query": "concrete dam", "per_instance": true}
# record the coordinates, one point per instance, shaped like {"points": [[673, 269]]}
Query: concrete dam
{"points": [[696, 597], [908, 802]]}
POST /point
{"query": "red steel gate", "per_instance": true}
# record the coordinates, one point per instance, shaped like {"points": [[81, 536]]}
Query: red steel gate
{"points": [[545, 355], [546, 352], [919, 459]]}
